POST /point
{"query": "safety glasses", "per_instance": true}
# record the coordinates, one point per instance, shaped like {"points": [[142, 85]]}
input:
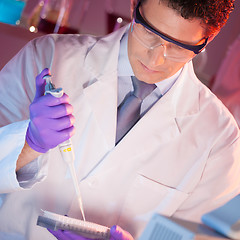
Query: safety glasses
{"points": [[140, 20]]}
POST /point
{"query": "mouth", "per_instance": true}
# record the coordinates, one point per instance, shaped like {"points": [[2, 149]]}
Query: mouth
{"points": [[148, 69]]}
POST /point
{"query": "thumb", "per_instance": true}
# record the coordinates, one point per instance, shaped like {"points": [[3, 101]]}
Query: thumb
{"points": [[117, 233], [40, 82]]}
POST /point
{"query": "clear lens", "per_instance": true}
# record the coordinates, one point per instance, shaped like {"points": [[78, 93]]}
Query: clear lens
{"points": [[151, 40]]}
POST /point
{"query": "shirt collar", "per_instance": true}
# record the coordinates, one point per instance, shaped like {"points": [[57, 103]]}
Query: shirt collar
{"points": [[124, 66], [167, 83]]}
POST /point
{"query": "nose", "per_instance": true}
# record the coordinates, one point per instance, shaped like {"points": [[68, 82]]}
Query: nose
{"points": [[156, 56]]}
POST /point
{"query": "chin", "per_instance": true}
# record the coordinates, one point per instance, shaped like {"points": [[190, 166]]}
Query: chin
{"points": [[151, 78]]}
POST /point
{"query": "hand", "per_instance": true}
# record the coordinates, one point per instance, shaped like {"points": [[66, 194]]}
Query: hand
{"points": [[66, 235], [51, 119], [116, 232]]}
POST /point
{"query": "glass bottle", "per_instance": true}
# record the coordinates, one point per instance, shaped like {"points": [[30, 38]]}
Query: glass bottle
{"points": [[51, 16]]}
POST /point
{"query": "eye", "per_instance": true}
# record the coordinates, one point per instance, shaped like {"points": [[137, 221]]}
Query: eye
{"points": [[175, 47], [150, 36], [149, 32]]}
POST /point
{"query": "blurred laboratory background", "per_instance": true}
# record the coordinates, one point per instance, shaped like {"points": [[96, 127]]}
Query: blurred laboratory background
{"points": [[21, 21]]}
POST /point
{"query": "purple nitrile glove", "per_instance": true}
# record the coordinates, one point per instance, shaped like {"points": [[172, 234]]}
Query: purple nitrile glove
{"points": [[51, 119], [66, 235], [116, 232]]}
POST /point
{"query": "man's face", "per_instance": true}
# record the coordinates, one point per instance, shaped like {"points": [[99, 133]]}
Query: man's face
{"points": [[150, 65]]}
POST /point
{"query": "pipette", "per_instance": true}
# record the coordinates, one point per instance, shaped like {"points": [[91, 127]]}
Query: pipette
{"points": [[66, 147]]}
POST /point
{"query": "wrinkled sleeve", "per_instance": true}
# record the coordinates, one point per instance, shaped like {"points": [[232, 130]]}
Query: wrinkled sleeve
{"points": [[17, 90], [12, 141]]}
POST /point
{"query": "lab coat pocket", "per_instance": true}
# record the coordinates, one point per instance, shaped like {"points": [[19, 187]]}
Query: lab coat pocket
{"points": [[147, 196]]}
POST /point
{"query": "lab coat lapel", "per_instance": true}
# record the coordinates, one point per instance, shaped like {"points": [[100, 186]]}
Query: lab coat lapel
{"points": [[158, 126], [101, 92], [104, 110], [146, 136], [150, 131]]}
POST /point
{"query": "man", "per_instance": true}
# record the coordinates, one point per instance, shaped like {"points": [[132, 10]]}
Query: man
{"points": [[180, 159]]}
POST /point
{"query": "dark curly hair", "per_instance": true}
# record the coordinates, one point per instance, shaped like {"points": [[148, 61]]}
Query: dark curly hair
{"points": [[213, 13]]}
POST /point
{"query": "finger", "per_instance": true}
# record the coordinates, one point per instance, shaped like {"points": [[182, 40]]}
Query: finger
{"points": [[59, 234], [62, 136], [117, 233], [67, 133], [40, 82], [40, 110], [53, 101], [54, 138], [74, 236], [59, 111], [50, 100], [61, 123]]}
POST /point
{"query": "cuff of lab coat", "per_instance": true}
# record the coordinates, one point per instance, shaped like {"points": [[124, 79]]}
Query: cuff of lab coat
{"points": [[33, 172], [12, 139]]}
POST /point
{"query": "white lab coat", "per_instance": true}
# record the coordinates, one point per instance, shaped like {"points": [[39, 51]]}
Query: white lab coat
{"points": [[181, 158]]}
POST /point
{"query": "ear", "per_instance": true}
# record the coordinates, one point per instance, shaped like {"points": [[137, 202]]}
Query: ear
{"points": [[211, 37], [133, 5]]}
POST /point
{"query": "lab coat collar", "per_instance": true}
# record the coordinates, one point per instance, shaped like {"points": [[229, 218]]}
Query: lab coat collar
{"points": [[185, 93], [102, 62], [94, 59]]}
